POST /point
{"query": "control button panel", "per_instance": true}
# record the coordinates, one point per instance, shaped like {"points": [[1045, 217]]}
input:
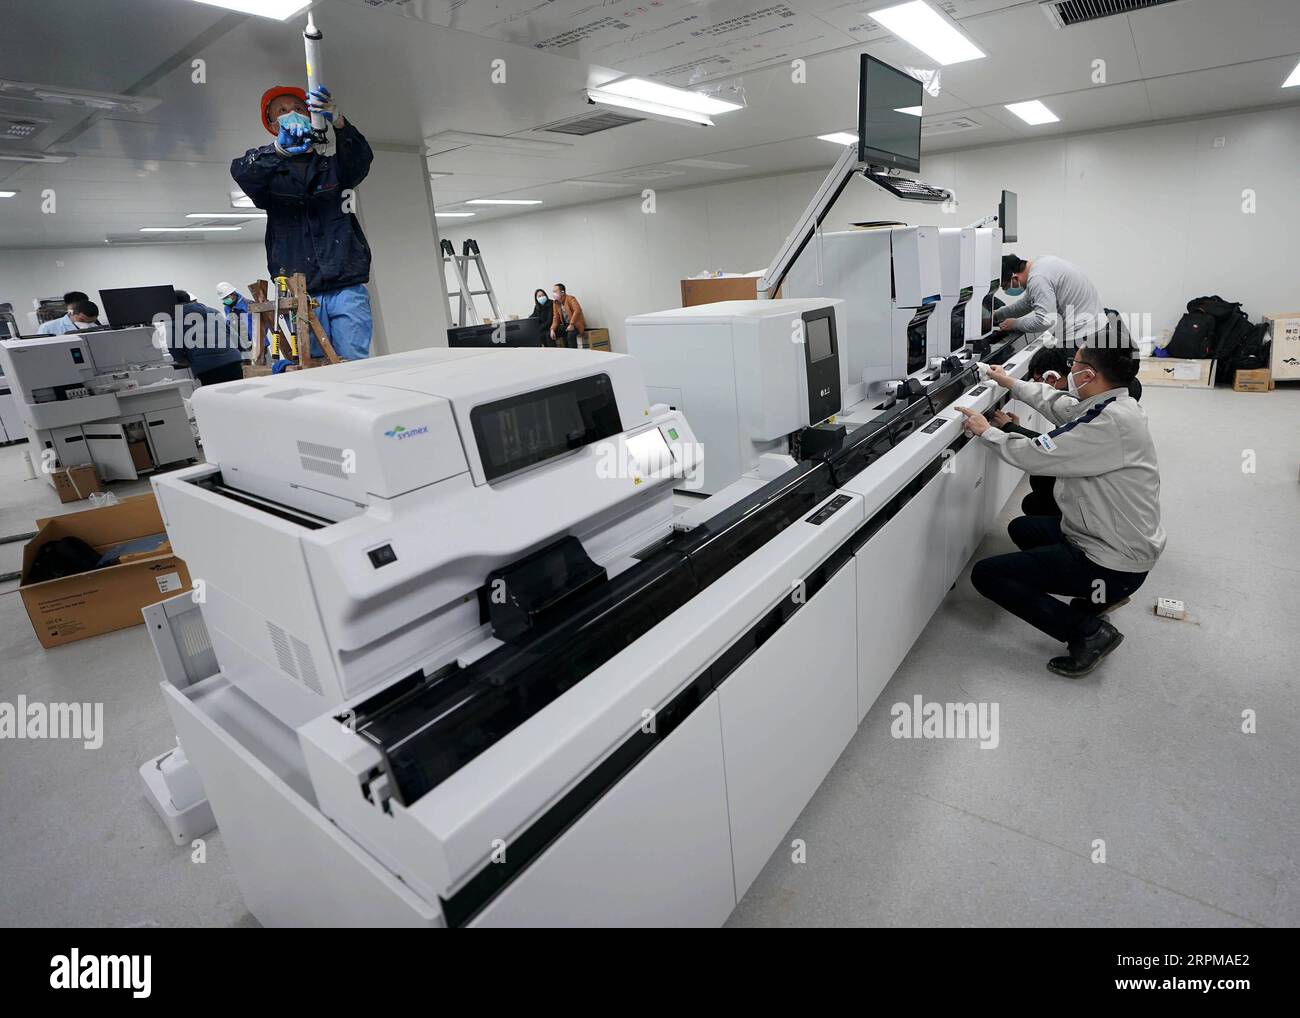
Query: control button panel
{"points": [[829, 509]]}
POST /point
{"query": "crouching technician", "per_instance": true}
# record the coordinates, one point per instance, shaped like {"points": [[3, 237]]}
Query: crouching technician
{"points": [[1108, 487]]}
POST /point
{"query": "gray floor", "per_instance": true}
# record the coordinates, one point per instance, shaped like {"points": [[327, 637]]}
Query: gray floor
{"points": [[1201, 823]]}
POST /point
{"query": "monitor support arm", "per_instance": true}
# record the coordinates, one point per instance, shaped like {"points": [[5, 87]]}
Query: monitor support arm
{"points": [[812, 217], [986, 221], [807, 225]]}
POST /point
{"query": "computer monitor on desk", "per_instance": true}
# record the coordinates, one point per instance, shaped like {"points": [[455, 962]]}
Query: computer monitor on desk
{"points": [[137, 305]]}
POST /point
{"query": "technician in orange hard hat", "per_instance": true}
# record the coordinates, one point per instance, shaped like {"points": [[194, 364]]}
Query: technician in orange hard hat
{"points": [[305, 186]]}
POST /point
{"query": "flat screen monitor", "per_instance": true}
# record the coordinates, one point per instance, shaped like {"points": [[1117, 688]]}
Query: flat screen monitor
{"points": [[1007, 217], [136, 305], [889, 116]]}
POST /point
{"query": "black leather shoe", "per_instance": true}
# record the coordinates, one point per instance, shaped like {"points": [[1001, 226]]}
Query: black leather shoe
{"points": [[1087, 604], [1086, 654]]}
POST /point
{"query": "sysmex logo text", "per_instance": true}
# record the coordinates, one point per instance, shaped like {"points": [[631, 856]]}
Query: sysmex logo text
{"points": [[400, 433]]}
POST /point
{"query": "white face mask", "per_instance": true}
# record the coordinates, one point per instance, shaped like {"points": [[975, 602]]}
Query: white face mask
{"points": [[1074, 386]]}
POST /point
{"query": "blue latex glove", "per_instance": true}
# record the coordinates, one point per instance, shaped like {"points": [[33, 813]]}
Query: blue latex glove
{"points": [[295, 134], [320, 101], [279, 366]]}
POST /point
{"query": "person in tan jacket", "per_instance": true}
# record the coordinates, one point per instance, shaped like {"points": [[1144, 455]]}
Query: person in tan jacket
{"points": [[567, 322]]}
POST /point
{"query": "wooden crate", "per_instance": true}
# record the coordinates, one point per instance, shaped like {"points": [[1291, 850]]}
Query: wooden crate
{"points": [[1252, 380]]}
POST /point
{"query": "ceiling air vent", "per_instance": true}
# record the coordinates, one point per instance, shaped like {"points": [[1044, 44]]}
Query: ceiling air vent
{"points": [[947, 125], [590, 123], [1066, 13]]}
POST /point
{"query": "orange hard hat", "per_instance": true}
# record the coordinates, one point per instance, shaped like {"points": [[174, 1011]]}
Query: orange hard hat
{"points": [[273, 93]]}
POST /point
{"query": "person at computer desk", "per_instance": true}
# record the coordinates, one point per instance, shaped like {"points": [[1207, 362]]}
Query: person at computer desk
{"points": [[83, 314], [1050, 365], [205, 342], [1050, 294], [1108, 537]]}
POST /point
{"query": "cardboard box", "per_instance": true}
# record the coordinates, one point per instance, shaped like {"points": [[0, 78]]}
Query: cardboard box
{"points": [[1284, 330], [72, 608], [1252, 380], [1186, 372], [596, 339], [712, 289], [72, 484]]}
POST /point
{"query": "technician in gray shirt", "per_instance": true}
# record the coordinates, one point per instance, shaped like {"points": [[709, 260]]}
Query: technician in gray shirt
{"points": [[1054, 296], [1108, 536]]}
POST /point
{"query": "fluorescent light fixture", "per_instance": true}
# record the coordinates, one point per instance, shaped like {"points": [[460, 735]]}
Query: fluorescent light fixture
{"points": [[914, 111], [651, 109], [504, 201], [7, 194], [188, 229], [1033, 112], [1293, 78], [839, 138], [446, 141], [709, 164], [281, 10], [34, 157], [921, 26], [454, 215], [107, 102], [239, 200], [435, 175], [667, 95], [226, 215]]}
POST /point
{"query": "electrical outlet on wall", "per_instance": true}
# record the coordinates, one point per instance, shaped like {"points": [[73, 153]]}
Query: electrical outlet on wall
{"points": [[1220, 141]]}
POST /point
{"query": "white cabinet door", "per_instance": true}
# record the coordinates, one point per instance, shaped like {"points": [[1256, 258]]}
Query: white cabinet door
{"points": [[170, 437], [964, 503], [107, 445], [70, 446], [787, 714], [652, 851], [900, 574]]}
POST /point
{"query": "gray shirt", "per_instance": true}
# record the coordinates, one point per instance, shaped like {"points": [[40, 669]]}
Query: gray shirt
{"points": [[1108, 480], [1058, 297]]}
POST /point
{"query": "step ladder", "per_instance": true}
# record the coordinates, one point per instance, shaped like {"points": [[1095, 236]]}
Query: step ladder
{"points": [[466, 313]]}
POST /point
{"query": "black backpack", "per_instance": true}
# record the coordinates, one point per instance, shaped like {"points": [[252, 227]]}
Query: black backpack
{"points": [[1209, 322], [65, 556], [1245, 348]]}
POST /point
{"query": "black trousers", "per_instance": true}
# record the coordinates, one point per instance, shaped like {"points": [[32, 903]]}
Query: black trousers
{"points": [[226, 373], [1024, 581], [1041, 500]]}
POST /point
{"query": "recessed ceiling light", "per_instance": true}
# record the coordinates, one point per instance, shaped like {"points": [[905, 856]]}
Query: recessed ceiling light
{"points": [[504, 201], [7, 194], [657, 110], [1033, 112], [226, 215], [454, 215], [920, 25], [281, 10], [187, 229], [667, 95], [839, 138], [1293, 78], [433, 175]]}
